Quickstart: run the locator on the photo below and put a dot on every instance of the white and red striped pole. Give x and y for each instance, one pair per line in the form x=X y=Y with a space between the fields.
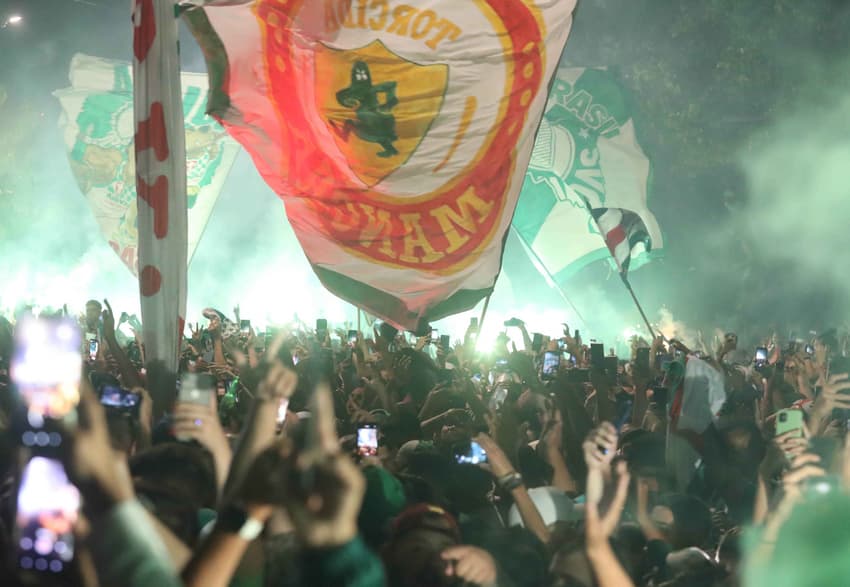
x=160 y=178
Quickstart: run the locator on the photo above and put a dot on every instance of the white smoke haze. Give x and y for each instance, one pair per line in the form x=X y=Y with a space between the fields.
x=798 y=214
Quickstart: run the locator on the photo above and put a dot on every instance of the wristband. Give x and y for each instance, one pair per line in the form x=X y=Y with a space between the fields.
x=234 y=519
x=510 y=481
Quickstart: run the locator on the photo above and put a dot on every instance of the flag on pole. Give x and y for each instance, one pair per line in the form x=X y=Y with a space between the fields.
x=160 y=178
x=97 y=123
x=625 y=235
x=397 y=134
x=586 y=156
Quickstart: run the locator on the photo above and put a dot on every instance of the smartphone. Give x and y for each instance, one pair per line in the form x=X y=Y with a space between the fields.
x=197 y=388
x=48 y=505
x=352 y=337
x=761 y=357
x=446 y=342
x=612 y=365
x=624 y=403
x=45 y=368
x=321 y=329
x=536 y=342
x=789 y=420
x=93 y=347
x=501 y=365
x=476 y=455
x=473 y=322
x=551 y=363
x=446 y=376
x=435 y=336
x=367 y=440
x=245 y=327
x=120 y=399
x=562 y=344
x=597 y=355
x=642 y=361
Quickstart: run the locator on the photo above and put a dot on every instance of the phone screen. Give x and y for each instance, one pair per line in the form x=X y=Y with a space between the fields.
x=551 y=362
x=761 y=355
x=321 y=326
x=93 y=349
x=245 y=326
x=435 y=336
x=47 y=508
x=476 y=455
x=197 y=388
x=46 y=366
x=367 y=440
x=473 y=322
x=116 y=397
x=352 y=337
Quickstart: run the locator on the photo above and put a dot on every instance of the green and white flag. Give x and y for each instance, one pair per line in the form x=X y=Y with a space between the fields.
x=586 y=155
x=98 y=129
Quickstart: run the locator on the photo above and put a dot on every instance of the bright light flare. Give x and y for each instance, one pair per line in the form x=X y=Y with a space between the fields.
x=13 y=20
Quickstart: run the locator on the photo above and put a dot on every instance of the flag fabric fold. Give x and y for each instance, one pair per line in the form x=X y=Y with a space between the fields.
x=624 y=233
x=586 y=157
x=397 y=134
x=97 y=123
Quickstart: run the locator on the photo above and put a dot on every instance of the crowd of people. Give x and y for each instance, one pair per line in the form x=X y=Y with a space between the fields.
x=318 y=457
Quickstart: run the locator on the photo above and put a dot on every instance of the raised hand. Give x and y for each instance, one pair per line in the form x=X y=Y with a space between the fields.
x=102 y=477
x=196 y=331
x=832 y=395
x=325 y=506
x=600 y=447
x=470 y=564
x=200 y=423
x=108 y=319
x=598 y=528
x=214 y=328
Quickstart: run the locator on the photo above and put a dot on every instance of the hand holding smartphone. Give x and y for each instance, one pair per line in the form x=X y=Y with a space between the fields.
x=45 y=368
x=48 y=506
x=367 y=440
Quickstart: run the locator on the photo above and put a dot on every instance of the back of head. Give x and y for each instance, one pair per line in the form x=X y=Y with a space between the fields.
x=412 y=557
x=691 y=520
x=521 y=555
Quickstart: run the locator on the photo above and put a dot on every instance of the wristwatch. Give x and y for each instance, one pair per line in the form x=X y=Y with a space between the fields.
x=235 y=519
x=510 y=481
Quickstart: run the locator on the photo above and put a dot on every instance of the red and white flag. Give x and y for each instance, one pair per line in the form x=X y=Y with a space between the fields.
x=160 y=178
x=625 y=234
x=396 y=133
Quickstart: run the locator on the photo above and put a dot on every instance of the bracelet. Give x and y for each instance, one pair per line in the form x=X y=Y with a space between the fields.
x=510 y=481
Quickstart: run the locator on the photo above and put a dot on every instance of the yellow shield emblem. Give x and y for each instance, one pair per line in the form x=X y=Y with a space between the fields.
x=377 y=105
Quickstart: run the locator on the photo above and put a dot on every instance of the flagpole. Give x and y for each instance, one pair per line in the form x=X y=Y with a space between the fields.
x=637 y=303
x=548 y=276
x=484 y=311
x=623 y=277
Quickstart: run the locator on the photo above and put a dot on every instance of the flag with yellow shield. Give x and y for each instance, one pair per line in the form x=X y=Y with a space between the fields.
x=397 y=133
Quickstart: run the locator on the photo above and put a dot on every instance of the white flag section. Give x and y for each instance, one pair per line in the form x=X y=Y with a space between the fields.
x=160 y=178
x=98 y=127
x=586 y=155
